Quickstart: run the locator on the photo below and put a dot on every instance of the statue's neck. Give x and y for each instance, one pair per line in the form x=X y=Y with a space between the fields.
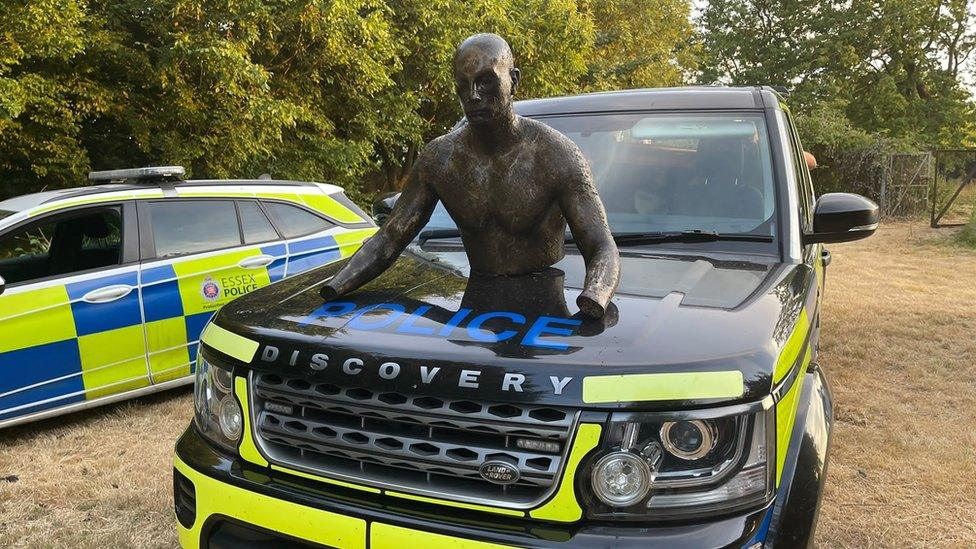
x=499 y=136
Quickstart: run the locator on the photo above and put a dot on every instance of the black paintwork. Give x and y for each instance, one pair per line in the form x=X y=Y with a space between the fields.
x=690 y=98
x=841 y=217
x=673 y=313
x=798 y=499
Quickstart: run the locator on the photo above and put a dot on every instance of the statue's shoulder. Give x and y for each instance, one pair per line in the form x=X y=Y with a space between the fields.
x=552 y=144
x=438 y=151
x=546 y=136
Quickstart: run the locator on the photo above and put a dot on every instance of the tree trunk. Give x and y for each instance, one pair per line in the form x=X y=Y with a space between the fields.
x=396 y=169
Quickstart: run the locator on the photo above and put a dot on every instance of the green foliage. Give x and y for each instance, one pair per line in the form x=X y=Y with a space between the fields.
x=349 y=90
x=551 y=39
x=859 y=71
x=241 y=88
x=43 y=102
x=967 y=236
x=327 y=90
x=640 y=44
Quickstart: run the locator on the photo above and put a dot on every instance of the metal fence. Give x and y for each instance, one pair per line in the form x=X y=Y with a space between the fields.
x=953 y=196
x=905 y=184
x=900 y=183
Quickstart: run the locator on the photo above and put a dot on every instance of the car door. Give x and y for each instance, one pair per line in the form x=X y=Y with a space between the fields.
x=312 y=240
x=814 y=255
x=198 y=255
x=70 y=322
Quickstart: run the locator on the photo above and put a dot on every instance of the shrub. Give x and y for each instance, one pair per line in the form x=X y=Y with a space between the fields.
x=968 y=234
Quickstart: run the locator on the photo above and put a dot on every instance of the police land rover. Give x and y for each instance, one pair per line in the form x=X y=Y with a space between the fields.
x=434 y=407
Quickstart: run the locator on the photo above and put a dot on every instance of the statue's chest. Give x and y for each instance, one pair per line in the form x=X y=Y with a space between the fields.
x=514 y=195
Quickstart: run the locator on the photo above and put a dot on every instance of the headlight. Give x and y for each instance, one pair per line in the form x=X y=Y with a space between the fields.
x=690 y=440
x=659 y=466
x=218 y=416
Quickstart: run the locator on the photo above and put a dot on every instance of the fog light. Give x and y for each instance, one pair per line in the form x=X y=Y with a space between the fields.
x=689 y=440
x=621 y=479
x=230 y=418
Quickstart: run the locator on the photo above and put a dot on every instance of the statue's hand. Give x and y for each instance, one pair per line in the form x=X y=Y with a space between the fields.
x=328 y=293
x=589 y=306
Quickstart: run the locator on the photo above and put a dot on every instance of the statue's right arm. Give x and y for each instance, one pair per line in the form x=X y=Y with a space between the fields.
x=410 y=213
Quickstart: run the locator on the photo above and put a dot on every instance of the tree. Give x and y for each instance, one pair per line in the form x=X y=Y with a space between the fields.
x=240 y=88
x=43 y=103
x=890 y=67
x=551 y=40
x=640 y=44
x=325 y=90
x=909 y=75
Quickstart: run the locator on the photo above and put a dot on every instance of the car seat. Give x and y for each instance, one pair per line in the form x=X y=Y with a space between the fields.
x=66 y=249
x=717 y=188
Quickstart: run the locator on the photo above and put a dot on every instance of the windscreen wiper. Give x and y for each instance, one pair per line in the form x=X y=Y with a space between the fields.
x=435 y=234
x=639 y=239
x=634 y=239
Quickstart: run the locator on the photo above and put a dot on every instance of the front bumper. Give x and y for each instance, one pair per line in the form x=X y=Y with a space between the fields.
x=281 y=509
x=226 y=502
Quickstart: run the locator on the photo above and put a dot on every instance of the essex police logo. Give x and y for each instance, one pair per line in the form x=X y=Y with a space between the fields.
x=210 y=289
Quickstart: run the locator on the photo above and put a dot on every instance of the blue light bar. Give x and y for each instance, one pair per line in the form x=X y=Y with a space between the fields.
x=153 y=173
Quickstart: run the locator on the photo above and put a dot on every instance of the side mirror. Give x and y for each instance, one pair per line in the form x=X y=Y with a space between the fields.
x=382 y=207
x=3 y=285
x=842 y=217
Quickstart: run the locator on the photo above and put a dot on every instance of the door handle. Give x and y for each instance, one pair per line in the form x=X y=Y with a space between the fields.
x=256 y=262
x=107 y=295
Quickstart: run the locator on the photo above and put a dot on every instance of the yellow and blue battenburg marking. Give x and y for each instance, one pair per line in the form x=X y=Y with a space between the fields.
x=316 y=251
x=57 y=349
x=39 y=345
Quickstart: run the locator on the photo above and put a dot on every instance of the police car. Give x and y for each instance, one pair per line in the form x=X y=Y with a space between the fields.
x=438 y=408
x=104 y=290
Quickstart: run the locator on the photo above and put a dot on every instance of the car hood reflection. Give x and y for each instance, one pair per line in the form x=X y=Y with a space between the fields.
x=671 y=313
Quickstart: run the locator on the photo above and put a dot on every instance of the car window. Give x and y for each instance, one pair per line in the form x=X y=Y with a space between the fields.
x=186 y=227
x=675 y=171
x=5 y=213
x=62 y=245
x=804 y=189
x=294 y=221
x=255 y=224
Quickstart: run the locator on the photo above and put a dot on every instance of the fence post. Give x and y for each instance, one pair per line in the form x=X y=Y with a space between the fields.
x=935 y=191
x=886 y=168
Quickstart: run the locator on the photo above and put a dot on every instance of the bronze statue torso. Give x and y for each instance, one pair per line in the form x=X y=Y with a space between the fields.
x=511 y=184
x=506 y=206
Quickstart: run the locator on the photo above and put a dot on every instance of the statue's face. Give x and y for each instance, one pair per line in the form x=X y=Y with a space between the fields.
x=485 y=80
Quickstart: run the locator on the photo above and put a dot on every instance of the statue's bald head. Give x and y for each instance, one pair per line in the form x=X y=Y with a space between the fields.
x=484 y=46
x=485 y=78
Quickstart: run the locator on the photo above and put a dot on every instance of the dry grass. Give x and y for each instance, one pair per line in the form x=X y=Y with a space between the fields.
x=898 y=344
x=94 y=479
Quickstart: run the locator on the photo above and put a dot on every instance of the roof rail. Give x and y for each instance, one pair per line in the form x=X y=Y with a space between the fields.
x=782 y=90
x=149 y=175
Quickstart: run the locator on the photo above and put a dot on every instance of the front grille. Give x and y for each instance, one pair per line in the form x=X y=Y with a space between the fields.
x=417 y=444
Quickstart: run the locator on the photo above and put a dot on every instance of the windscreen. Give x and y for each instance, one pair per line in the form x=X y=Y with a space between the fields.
x=674 y=172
